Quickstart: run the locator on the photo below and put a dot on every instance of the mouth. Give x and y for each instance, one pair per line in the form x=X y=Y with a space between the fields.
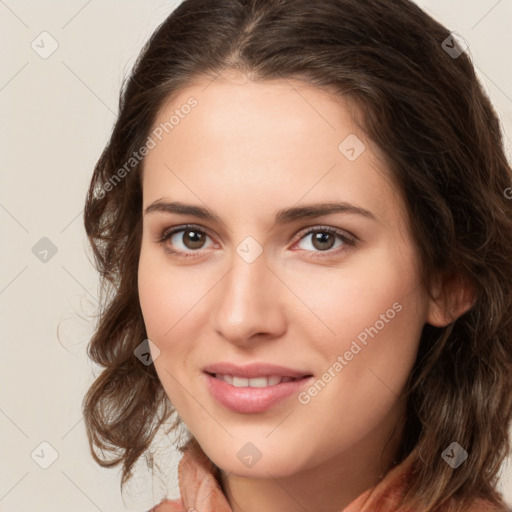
x=253 y=371
x=250 y=395
x=255 y=382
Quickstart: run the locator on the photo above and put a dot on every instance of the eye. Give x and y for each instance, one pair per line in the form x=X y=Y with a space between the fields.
x=323 y=239
x=187 y=239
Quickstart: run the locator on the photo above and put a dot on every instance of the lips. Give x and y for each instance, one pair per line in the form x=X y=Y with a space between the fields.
x=253 y=388
x=254 y=370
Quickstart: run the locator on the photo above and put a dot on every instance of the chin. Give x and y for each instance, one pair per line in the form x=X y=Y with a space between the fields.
x=256 y=459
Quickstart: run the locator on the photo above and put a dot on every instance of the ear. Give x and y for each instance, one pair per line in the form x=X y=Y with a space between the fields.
x=451 y=297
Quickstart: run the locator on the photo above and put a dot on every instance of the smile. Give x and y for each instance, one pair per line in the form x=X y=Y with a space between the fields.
x=253 y=395
x=257 y=382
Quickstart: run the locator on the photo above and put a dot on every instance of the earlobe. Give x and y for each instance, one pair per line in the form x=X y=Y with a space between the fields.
x=450 y=299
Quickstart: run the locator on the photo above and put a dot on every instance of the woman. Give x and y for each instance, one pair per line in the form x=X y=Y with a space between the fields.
x=302 y=225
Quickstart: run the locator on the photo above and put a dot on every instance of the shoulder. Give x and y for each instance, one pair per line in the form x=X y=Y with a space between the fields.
x=169 y=506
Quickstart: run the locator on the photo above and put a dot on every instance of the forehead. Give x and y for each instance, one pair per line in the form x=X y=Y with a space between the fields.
x=270 y=113
x=250 y=139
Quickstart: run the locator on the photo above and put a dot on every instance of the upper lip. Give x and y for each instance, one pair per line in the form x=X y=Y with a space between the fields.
x=254 y=370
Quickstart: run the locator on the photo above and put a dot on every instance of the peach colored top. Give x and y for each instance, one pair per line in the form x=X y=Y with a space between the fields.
x=200 y=490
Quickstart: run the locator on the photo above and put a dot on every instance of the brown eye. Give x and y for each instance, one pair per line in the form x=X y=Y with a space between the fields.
x=323 y=239
x=185 y=240
x=193 y=239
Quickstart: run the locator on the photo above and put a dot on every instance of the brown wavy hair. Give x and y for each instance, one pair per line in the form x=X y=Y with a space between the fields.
x=441 y=137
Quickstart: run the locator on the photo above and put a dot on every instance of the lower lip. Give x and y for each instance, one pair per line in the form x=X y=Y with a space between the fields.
x=249 y=400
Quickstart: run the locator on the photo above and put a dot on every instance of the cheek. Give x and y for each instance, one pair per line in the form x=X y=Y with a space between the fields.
x=154 y=301
x=377 y=318
x=349 y=299
x=165 y=294
x=173 y=305
x=162 y=305
x=375 y=314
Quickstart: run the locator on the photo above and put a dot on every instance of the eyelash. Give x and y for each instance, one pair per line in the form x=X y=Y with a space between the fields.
x=347 y=241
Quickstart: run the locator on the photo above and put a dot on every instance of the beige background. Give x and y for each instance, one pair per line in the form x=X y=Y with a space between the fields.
x=57 y=114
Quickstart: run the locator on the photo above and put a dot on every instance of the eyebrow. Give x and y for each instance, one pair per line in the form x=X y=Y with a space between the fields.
x=283 y=216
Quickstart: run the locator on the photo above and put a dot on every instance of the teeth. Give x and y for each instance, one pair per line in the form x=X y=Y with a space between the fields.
x=257 y=382
x=274 y=379
x=240 y=382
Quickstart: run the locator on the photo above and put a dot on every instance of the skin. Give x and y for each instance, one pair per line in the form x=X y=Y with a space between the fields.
x=245 y=151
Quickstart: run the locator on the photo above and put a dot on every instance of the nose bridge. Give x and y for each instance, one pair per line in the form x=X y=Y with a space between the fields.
x=248 y=298
x=246 y=283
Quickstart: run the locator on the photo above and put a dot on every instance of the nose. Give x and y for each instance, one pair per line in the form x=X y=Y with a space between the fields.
x=248 y=302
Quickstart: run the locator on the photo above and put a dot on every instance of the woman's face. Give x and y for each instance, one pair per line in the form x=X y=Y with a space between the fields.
x=273 y=278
